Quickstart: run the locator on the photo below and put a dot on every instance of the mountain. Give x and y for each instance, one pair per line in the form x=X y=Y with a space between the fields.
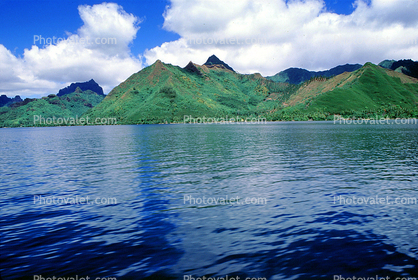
x=163 y=93
x=387 y=64
x=368 y=91
x=298 y=75
x=406 y=66
x=90 y=85
x=71 y=105
x=213 y=61
x=7 y=101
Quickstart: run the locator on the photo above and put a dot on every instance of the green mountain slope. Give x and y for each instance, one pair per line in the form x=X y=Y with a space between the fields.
x=68 y=106
x=165 y=93
x=368 y=91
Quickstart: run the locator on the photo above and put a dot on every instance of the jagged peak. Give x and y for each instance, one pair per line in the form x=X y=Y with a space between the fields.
x=213 y=60
x=258 y=76
x=369 y=64
x=158 y=64
x=191 y=67
x=213 y=57
x=83 y=86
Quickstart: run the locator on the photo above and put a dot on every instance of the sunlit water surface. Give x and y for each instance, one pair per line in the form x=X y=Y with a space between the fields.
x=300 y=168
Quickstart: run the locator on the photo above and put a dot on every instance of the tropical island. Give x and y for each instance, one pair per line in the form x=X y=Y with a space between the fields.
x=164 y=93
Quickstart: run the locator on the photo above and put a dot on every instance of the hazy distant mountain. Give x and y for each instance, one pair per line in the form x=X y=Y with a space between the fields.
x=90 y=85
x=213 y=61
x=7 y=101
x=406 y=66
x=299 y=75
x=387 y=63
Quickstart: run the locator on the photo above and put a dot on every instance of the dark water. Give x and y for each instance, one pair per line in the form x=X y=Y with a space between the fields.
x=299 y=233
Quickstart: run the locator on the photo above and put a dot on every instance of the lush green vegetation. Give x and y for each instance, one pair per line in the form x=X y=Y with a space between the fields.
x=368 y=92
x=163 y=93
x=67 y=106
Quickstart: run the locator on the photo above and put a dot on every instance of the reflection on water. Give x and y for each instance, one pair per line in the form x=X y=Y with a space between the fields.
x=299 y=168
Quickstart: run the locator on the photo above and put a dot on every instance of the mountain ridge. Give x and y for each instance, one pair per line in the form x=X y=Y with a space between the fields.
x=70 y=105
x=405 y=66
x=8 y=101
x=165 y=93
x=214 y=61
x=84 y=86
x=300 y=75
x=368 y=91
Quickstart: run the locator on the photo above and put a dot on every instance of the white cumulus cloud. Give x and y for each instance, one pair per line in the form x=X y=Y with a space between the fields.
x=99 y=50
x=270 y=36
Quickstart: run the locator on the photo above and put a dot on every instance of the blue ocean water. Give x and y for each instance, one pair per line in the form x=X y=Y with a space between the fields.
x=300 y=221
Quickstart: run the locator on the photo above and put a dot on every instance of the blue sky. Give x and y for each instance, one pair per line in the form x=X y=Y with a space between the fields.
x=22 y=19
x=265 y=36
x=52 y=18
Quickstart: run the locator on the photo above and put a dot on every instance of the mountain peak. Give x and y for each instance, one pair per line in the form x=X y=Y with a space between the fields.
x=213 y=60
x=191 y=67
x=89 y=85
x=6 y=101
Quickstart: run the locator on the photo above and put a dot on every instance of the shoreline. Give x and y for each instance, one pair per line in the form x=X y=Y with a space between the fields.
x=349 y=121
